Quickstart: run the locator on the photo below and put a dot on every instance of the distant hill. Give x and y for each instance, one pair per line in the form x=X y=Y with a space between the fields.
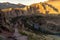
x=10 y=5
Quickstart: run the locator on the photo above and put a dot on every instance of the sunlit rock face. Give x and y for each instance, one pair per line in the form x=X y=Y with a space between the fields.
x=50 y=7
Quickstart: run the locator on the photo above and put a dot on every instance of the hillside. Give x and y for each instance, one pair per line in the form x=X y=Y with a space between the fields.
x=50 y=7
x=35 y=22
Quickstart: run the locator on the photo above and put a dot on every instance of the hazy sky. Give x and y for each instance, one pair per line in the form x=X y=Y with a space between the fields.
x=26 y=2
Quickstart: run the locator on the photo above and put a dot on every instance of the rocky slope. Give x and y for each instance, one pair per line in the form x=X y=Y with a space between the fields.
x=28 y=22
x=50 y=7
x=33 y=21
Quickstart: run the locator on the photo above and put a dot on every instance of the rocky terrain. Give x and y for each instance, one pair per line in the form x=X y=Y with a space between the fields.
x=32 y=22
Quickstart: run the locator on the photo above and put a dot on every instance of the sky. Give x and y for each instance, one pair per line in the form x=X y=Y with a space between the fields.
x=25 y=2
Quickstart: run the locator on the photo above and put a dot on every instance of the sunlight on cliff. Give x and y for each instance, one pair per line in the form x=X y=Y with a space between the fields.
x=52 y=6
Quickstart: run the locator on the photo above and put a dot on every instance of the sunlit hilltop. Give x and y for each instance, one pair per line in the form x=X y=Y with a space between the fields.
x=47 y=7
x=50 y=7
